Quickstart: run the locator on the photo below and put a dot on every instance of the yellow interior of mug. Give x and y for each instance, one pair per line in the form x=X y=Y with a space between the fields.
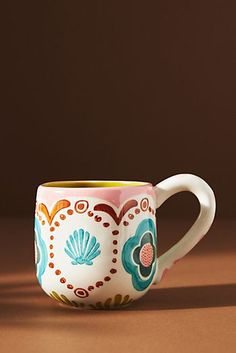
x=92 y=184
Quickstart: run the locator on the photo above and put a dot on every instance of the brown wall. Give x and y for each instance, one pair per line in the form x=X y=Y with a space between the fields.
x=117 y=89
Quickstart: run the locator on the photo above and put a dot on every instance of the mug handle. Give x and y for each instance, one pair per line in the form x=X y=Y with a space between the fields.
x=206 y=198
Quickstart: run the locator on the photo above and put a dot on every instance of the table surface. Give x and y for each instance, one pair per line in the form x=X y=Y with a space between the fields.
x=191 y=310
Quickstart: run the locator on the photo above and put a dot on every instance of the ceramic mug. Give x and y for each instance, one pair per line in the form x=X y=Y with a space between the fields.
x=96 y=241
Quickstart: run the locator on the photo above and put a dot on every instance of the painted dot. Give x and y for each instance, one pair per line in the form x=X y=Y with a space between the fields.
x=90 y=288
x=149 y=209
x=57 y=224
x=57 y=272
x=70 y=212
x=43 y=222
x=90 y=213
x=153 y=212
x=52 y=229
x=81 y=292
x=115 y=251
x=106 y=224
x=131 y=216
x=51 y=237
x=115 y=232
x=81 y=206
x=113 y=270
x=62 y=216
x=51 y=255
x=62 y=280
x=144 y=204
x=50 y=246
x=99 y=284
x=114 y=260
x=98 y=219
x=107 y=278
x=69 y=286
x=126 y=223
x=115 y=242
x=51 y=265
x=137 y=211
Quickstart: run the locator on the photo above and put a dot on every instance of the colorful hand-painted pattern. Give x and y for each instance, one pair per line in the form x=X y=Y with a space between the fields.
x=41 y=255
x=117 y=302
x=139 y=255
x=82 y=248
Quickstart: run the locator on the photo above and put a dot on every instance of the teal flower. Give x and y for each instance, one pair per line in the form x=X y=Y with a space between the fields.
x=139 y=255
x=41 y=255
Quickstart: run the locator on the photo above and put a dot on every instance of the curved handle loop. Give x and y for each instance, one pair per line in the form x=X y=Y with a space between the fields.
x=206 y=198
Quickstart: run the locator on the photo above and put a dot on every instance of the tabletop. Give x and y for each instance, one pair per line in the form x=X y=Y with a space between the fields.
x=191 y=310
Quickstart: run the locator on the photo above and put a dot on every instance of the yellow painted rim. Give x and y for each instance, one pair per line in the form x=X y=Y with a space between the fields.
x=93 y=184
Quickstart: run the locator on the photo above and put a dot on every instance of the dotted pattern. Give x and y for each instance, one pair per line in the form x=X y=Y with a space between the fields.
x=146 y=255
x=82 y=206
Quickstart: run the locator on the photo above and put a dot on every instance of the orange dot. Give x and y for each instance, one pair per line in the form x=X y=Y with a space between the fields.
x=62 y=216
x=57 y=272
x=51 y=255
x=52 y=229
x=69 y=286
x=57 y=224
x=70 y=212
x=62 y=280
x=43 y=222
x=50 y=246
x=51 y=264
x=51 y=237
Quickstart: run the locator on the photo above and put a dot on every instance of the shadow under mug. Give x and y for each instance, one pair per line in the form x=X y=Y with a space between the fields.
x=96 y=241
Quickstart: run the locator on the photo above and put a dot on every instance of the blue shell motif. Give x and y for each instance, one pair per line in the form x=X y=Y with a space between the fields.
x=82 y=248
x=41 y=252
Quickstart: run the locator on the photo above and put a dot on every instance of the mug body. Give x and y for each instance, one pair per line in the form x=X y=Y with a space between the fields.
x=95 y=242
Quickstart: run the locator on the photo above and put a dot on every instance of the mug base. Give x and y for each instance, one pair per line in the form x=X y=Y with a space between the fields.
x=97 y=306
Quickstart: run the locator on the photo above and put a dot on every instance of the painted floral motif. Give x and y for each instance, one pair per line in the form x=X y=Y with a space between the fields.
x=113 y=303
x=64 y=300
x=82 y=248
x=41 y=255
x=139 y=255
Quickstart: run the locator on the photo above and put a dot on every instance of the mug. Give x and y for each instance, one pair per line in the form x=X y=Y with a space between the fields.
x=96 y=241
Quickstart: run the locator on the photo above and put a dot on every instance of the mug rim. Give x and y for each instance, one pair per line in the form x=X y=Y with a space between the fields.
x=93 y=184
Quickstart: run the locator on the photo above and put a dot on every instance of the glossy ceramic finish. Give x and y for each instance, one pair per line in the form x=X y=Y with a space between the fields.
x=96 y=242
x=84 y=243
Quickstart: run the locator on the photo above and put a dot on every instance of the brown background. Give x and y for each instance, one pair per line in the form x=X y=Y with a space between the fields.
x=117 y=90
x=120 y=90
